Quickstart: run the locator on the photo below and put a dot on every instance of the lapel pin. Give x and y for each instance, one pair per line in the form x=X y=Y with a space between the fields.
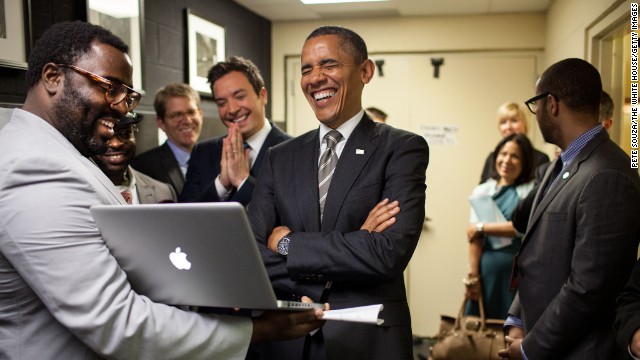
x=565 y=175
x=359 y=152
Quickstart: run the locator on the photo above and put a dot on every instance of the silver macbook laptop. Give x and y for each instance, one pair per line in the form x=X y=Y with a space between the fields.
x=190 y=254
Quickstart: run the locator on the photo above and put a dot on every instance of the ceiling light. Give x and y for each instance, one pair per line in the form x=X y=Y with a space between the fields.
x=316 y=2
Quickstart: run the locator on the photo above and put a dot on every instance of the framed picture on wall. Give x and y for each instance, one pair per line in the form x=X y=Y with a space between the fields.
x=205 y=47
x=15 y=33
x=124 y=19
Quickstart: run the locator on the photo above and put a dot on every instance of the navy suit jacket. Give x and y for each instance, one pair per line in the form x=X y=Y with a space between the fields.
x=160 y=164
x=579 y=249
x=204 y=167
x=378 y=161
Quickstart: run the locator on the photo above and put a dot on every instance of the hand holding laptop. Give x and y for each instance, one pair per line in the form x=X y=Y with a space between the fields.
x=282 y=325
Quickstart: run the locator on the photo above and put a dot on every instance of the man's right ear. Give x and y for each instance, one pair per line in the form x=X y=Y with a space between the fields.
x=53 y=78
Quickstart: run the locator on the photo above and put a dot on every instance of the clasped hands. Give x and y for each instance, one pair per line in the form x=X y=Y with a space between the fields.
x=379 y=219
x=234 y=161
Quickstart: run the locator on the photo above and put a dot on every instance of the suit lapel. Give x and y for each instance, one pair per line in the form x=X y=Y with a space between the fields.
x=270 y=141
x=172 y=167
x=145 y=189
x=540 y=205
x=306 y=181
x=357 y=151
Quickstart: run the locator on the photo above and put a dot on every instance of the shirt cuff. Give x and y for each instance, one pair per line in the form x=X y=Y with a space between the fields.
x=512 y=320
x=223 y=193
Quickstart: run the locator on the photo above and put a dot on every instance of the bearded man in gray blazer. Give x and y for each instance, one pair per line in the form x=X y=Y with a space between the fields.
x=582 y=238
x=318 y=245
x=62 y=294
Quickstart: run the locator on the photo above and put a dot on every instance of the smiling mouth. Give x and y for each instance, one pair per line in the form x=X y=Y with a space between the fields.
x=240 y=119
x=108 y=124
x=322 y=95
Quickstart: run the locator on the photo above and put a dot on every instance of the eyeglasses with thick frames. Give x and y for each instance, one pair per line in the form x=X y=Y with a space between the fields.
x=114 y=92
x=126 y=133
x=532 y=104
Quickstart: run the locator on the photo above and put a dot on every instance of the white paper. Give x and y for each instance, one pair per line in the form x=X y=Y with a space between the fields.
x=362 y=314
x=487 y=211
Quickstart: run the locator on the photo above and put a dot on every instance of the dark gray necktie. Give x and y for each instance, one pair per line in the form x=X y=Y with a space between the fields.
x=327 y=166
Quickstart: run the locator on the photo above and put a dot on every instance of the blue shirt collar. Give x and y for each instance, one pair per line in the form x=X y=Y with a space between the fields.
x=578 y=144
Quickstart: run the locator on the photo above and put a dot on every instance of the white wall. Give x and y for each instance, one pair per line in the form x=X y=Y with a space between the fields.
x=567 y=21
x=419 y=34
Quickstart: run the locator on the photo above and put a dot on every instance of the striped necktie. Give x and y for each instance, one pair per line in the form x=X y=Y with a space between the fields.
x=128 y=196
x=328 y=162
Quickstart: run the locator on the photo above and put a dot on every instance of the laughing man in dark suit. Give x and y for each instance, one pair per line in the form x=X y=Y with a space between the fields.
x=225 y=168
x=332 y=255
x=582 y=238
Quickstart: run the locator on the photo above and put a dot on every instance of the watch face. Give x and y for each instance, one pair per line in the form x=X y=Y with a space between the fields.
x=283 y=246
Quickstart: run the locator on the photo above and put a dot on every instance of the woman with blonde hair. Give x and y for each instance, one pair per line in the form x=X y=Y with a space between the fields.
x=512 y=119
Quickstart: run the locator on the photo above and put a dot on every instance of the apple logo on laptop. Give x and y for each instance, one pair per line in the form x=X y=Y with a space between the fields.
x=179 y=260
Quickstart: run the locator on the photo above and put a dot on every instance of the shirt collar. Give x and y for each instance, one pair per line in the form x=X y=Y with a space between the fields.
x=345 y=129
x=259 y=137
x=129 y=184
x=181 y=155
x=578 y=144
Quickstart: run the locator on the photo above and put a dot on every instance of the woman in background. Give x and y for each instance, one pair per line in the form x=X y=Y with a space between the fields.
x=493 y=241
x=512 y=119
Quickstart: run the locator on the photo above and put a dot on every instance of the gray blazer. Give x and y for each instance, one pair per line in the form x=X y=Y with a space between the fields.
x=152 y=191
x=378 y=161
x=577 y=254
x=62 y=294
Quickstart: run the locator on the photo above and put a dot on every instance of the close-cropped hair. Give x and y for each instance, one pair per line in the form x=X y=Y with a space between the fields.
x=513 y=108
x=526 y=160
x=170 y=91
x=606 y=106
x=236 y=63
x=64 y=43
x=574 y=82
x=353 y=44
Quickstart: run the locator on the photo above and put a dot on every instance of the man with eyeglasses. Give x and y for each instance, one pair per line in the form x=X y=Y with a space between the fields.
x=179 y=115
x=225 y=168
x=136 y=187
x=582 y=237
x=62 y=294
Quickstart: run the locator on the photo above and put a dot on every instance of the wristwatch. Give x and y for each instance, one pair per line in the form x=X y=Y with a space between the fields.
x=480 y=228
x=283 y=245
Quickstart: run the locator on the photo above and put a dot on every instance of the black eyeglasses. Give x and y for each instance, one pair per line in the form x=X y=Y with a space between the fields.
x=532 y=104
x=114 y=92
x=126 y=133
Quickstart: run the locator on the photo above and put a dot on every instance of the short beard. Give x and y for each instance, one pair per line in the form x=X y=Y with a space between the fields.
x=77 y=122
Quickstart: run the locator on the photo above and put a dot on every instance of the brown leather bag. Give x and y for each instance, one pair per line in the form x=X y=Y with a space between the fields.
x=468 y=337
